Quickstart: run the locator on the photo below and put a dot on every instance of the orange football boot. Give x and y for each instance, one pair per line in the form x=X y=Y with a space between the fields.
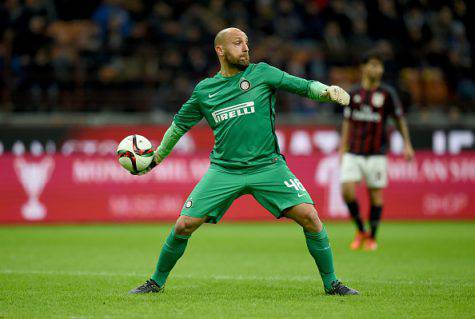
x=357 y=243
x=370 y=244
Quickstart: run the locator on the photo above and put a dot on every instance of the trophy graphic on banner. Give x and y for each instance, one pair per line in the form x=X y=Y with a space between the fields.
x=327 y=174
x=33 y=177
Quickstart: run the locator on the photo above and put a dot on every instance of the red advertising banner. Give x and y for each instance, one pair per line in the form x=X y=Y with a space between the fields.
x=294 y=140
x=81 y=188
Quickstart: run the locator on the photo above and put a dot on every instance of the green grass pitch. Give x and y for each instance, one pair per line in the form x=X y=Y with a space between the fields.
x=235 y=270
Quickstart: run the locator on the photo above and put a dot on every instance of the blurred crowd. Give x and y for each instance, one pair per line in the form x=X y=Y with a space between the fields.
x=131 y=55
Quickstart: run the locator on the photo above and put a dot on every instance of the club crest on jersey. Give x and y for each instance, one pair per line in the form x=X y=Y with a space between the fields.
x=245 y=85
x=233 y=111
x=378 y=99
x=357 y=98
x=188 y=203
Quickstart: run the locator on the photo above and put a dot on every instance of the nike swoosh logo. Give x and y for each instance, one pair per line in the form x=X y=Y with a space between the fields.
x=211 y=95
x=300 y=195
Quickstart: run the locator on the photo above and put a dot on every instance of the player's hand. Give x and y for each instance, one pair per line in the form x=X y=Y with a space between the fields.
x=337 y=94
x=145 y=171
x=408 y=152
x=156 y=160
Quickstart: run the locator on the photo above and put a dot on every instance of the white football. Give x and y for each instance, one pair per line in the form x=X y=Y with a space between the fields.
x=135 y=153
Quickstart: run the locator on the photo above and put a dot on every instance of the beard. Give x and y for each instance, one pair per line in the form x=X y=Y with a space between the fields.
x=241 y=62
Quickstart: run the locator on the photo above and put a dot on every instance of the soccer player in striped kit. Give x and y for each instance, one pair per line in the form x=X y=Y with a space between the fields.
x=364 y=144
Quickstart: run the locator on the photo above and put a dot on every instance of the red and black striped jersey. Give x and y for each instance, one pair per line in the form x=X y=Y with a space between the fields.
x=368 y=113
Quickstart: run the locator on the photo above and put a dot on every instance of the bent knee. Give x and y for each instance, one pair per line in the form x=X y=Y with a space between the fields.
x=183 y=226
x=187 y=225
x=310 y=221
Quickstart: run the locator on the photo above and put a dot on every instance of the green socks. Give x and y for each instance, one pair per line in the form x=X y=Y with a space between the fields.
x=172 y=250
x=319 y=247
x=317 y=243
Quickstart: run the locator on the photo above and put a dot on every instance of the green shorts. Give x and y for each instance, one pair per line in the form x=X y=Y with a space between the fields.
x=274 y=186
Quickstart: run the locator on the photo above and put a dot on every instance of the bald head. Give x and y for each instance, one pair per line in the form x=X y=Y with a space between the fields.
x=226 y=35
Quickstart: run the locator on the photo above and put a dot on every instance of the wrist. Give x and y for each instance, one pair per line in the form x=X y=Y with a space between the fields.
x=316 y=90
x=158 y=159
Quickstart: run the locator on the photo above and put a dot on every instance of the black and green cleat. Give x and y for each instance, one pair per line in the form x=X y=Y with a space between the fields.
x=150 y=286
x=340 y=289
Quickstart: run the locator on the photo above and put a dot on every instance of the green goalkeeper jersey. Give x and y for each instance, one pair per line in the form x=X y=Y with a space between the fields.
x=240 y=110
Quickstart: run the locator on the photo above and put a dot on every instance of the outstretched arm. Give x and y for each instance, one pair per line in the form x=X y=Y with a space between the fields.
x=312 y=89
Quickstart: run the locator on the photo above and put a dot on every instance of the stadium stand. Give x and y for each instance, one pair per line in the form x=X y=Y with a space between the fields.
x=143 y=56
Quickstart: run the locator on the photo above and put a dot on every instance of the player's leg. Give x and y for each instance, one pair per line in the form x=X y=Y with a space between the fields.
x=280 y=192
x=375 y=212
x=348 y=190
x=318 y=245
x=172 y=250
x=350 y=175
x=208 y=202
x=376 y=179
x=316 y=238
x=175 y=246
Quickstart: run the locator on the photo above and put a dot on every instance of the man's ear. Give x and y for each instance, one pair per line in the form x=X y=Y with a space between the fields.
x=219 y=50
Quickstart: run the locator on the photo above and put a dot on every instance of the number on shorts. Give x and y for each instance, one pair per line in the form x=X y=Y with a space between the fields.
x=295 y=183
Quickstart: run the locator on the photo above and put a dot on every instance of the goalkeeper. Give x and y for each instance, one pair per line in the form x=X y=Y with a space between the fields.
x=239 y=105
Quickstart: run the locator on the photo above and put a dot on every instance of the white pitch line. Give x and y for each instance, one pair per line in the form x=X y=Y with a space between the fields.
x=315 y=278
x=68 y=273
x=133 y=274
